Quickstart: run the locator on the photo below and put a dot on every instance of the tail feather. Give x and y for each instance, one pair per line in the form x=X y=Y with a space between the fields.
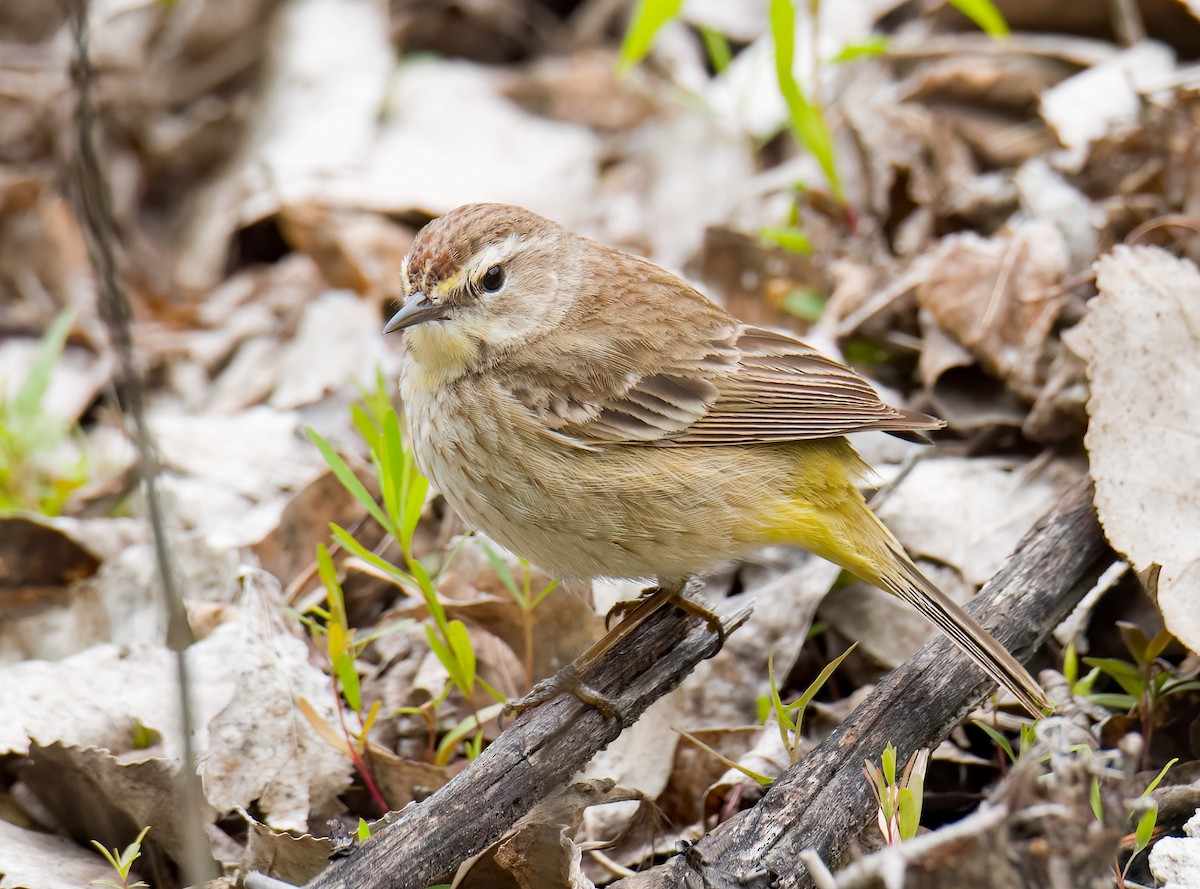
x=943 y=612
x=829 y=517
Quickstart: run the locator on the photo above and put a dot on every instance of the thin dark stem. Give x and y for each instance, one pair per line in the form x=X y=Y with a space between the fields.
x=94 y=201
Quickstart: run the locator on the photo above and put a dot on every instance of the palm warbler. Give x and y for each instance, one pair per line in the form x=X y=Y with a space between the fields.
x=595 y=414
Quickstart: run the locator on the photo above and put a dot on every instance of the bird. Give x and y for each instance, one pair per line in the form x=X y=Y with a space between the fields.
x=600 y=417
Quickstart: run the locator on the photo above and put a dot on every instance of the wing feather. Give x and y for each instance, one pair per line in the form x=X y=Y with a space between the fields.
x=734 y=384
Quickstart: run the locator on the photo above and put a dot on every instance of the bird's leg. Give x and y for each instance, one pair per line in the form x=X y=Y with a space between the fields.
x=570 y=678
x=634 y=612
x=677 y=598
x=625 y=607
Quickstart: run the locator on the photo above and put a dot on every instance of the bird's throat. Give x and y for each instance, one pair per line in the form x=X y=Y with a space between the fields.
x=441 y=352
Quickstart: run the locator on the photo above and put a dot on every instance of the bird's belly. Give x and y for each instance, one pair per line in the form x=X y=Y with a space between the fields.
x=620 y=511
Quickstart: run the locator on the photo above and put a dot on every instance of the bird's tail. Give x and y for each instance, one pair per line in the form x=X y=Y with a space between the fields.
x=828 y=516
x=981 y=646
x=898 y=575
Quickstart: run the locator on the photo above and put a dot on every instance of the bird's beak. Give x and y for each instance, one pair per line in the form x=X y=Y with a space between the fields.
x=417 y=309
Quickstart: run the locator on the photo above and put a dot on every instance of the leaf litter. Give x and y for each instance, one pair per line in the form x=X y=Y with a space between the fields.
x=270 y=164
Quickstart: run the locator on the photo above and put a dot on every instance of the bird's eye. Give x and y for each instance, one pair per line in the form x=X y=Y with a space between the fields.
x=493 y=279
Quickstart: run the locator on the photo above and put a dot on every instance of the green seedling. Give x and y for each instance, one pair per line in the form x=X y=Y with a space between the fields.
x=900 y=801
x=1145 y=810
x=122 y=863
x=789 y=717
x=403 y=493
x=28 y=434
x=1145 y=681
x=527 y=600
x=1028 y=735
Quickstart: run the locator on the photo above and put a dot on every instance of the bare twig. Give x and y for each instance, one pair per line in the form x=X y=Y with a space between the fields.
x=197 y=864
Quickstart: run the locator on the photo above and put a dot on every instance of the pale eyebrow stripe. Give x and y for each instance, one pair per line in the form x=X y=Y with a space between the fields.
x=494 y=254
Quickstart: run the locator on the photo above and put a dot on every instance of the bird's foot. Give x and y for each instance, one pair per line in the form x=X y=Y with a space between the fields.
x=568 y=680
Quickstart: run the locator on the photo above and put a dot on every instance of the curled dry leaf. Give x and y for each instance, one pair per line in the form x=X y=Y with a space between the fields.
x=34 y=858
x=534 y=856
x=94 y=795
x=1104 y=100
x=258 y=748
x=996 y=297
x=294 y=859
x=1140 y=338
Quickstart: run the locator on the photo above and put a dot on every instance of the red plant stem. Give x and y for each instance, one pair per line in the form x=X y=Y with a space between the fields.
x=359 y=766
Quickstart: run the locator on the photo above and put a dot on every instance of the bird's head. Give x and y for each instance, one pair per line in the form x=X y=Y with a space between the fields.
x=480 y=283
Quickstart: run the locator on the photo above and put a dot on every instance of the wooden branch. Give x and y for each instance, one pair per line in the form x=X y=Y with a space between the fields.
x=532 y=758
x=823 y=802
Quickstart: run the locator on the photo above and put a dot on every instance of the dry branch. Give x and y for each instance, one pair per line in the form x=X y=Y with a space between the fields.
x=823 y=802
x=530 y=760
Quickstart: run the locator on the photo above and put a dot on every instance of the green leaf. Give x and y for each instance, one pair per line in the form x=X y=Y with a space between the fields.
x=1158 y=645
x=397 y=574
x=648 y=19
x=348 y=479
x=910 y=814
x=390 y=467
x=822 y=677
x=1028 y=735
x=364 y=830
x=429 y=594
x=984 y=14
x=333 y=589
x=888 y=761
x=807 y=120
x=1114 y=701
x=28 y=400
x=1070 y=669
x=1135 y=642
x=782 y=718
x=415 y=492
x=466 y=727
x=1094 y=799
x=546 y=590
x=464 y=653
x=111 y=857
x=1125 y=674
x=446 y=657
x=790 y=237
x=347 y=675
x=762 y=707
x=998 y=737
x=1145 y=827
x=1175 y=685
x=1162 y=774
x=726 y=761
x=874 y=46
x=502 y=572
x=717 y=47
x=807 y=305
x=366 y=428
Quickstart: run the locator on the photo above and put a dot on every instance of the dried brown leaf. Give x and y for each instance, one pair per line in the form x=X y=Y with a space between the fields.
x=1140 y=337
